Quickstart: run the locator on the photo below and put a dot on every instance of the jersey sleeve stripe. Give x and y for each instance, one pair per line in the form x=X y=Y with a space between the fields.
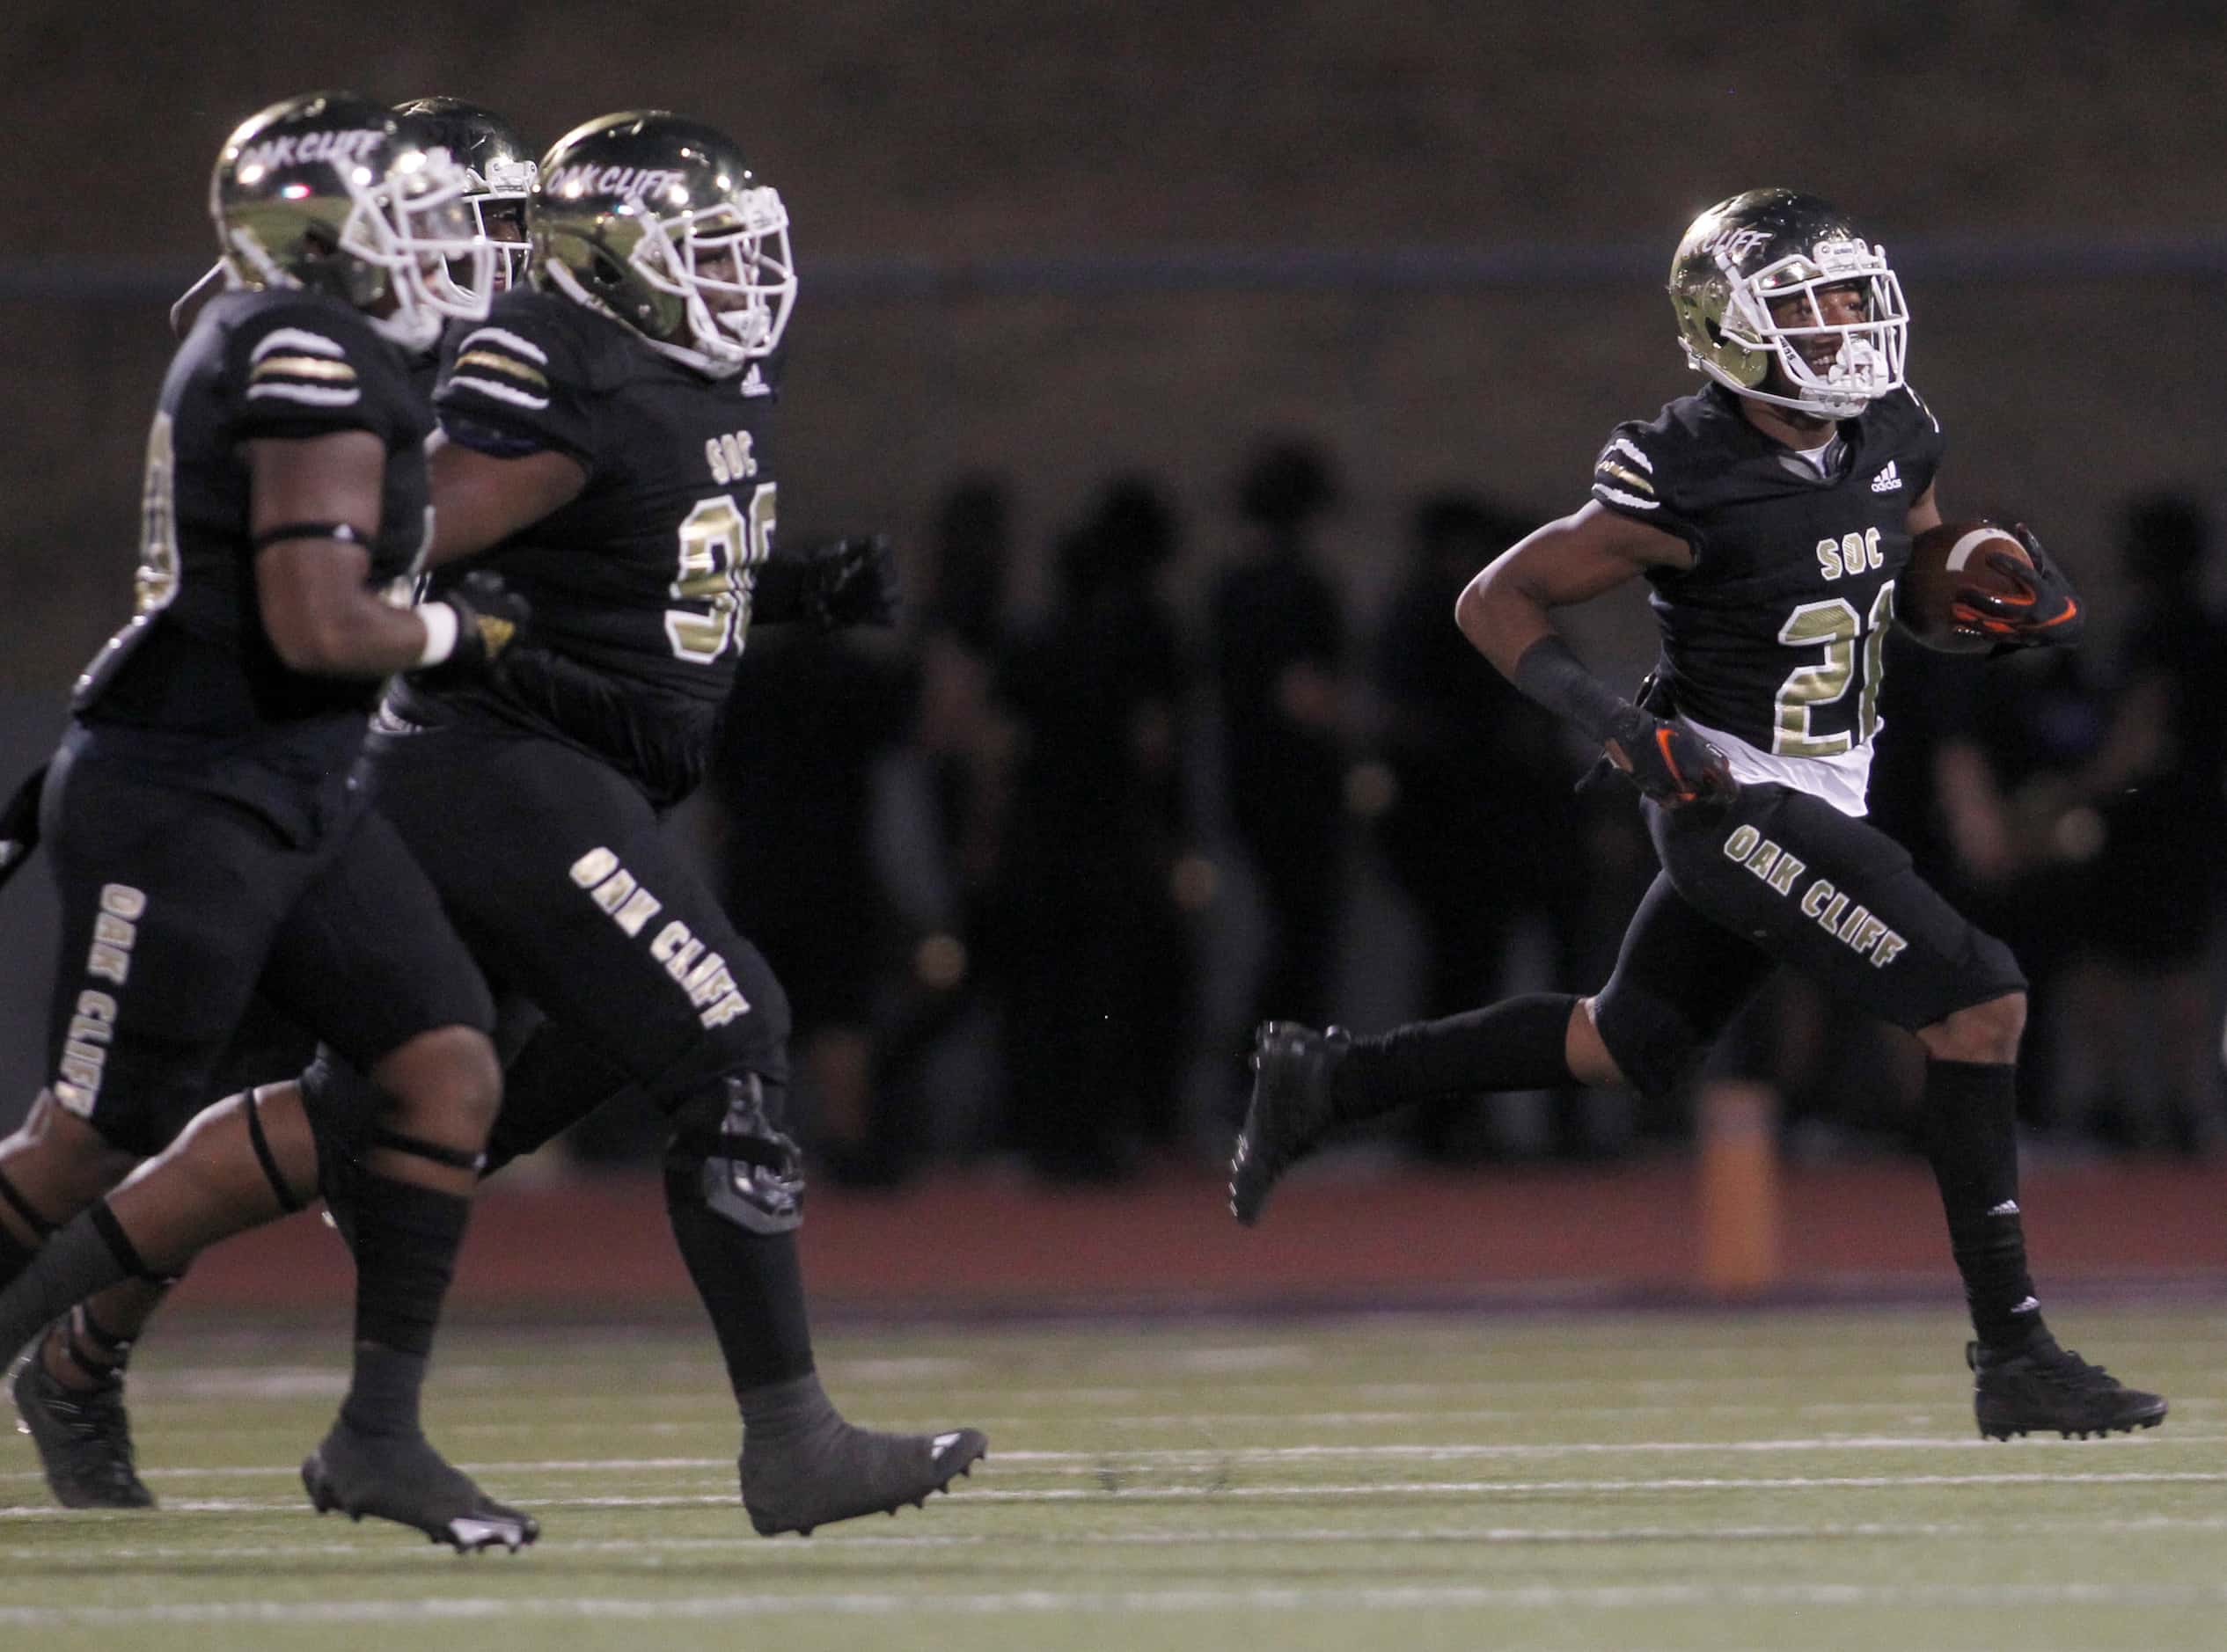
x=309 y=395
x=516 y=397
x=1608 y=495
x=504 y=364
x=506 y=339
x=295 y=339
x=1609 y=471
x=301 y=367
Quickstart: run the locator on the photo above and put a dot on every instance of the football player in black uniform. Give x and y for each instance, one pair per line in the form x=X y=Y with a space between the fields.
x=1770 y=513
x=69 y=1396
x=203 y=833
x=609 y=446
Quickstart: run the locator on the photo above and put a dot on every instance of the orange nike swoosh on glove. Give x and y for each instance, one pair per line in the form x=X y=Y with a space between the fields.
x=1662 y=744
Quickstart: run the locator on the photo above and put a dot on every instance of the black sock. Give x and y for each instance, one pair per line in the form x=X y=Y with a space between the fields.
x=1517 y=1044
x=793 y=1405
x=1971 y=1139
x=87 y=1254
x=407 y=1239
x=383 y=1391
x=752 y=1284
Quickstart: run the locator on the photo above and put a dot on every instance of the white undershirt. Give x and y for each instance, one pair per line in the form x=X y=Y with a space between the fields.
x=1820 y=458
x=1840 y=780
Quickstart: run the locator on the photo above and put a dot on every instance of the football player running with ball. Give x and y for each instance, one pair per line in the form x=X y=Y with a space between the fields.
x=609 y=449
x=1770 y=513
x=204 y=837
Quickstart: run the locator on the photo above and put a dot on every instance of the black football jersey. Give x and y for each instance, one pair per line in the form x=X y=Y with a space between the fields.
x=641 y=585
x=1778 y=632
x=195 y=657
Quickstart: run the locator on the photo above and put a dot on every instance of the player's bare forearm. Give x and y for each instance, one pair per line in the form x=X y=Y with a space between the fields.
x=322 y=618
x=313 y=515
x=1507 y=613
x=1501 y=618
x=1508 y=607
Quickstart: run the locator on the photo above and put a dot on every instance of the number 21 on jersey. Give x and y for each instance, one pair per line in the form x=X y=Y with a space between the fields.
x=1834 y=626
x=720 y=542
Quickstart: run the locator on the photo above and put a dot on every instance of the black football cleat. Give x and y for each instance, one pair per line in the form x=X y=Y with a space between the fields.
x=84 y=1439
x=1290 y=1112
x=401 y=1478
x=835 y=1472
x=2043 y=1387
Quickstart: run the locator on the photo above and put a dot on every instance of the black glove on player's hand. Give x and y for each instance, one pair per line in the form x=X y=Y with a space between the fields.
x=490 y=619
x=851 y=581
x=1670 y=763
x=2042 y=612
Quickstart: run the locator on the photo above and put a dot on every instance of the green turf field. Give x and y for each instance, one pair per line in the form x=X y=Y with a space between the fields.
x=1723 y=1482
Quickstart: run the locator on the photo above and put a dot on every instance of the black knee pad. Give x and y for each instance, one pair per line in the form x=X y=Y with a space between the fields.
x=341 y=1104
x=728 y=1150
x=1993 y=970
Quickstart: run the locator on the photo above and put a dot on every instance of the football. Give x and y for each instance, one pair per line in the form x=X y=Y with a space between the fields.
x=1943 y=560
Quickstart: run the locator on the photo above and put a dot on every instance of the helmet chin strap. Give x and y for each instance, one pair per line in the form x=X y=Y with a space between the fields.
x=250 y=252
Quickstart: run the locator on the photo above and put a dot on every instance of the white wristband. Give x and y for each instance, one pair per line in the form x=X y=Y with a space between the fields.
x=440 y=622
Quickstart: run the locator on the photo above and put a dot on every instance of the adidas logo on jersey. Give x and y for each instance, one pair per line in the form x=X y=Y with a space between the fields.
x=1888 y=480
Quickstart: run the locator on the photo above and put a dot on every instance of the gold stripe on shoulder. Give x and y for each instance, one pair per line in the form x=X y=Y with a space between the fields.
x=302 y=367
x=509 y=364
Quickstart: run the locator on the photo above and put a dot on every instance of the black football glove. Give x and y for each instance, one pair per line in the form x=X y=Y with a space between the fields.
x=490 y=619
x=2042 y=612
x=1671 y=763
x=851 y=581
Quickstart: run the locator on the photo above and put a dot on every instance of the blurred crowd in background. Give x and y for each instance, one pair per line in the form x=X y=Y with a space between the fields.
x=1030 y=883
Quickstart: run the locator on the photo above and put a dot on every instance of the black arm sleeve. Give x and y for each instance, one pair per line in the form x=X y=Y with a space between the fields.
x=1554 y=676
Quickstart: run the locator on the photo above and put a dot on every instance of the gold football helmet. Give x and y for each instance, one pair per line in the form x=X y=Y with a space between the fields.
x=1745 y=286
x=657 y=220
x=327 y=191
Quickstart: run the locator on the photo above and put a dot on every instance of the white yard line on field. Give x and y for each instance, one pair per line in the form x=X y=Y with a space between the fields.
x=1527 y=1597
x=1190 y=1494
x=1093 y=1462
x=746 y=1543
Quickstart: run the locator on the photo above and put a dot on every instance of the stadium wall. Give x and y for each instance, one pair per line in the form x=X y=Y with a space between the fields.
x=1116 y=137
